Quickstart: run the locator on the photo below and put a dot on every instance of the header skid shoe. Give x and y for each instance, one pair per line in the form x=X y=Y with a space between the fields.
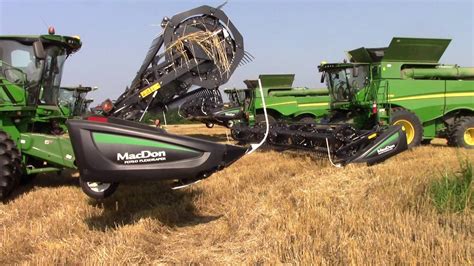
x=122 y=151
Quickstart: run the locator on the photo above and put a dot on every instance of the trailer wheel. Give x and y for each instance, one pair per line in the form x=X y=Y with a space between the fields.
x=98 y=190
x=462 y=133
x=209 y=125
x=229 y=124
x=410 y=124
x=10 y=166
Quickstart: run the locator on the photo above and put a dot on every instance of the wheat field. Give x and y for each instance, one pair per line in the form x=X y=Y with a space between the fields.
x=269 y=207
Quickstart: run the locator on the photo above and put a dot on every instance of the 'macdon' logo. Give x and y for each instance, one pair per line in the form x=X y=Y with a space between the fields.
x=141 y=157
x=386 y=149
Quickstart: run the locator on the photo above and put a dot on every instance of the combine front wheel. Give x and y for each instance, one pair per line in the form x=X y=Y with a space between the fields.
x=462 y=133
x=10 y=166
x=410 y=124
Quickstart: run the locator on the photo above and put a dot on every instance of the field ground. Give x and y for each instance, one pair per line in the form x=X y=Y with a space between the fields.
x=267 y=208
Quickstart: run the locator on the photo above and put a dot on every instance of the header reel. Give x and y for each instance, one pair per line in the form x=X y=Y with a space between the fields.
x=200 y=47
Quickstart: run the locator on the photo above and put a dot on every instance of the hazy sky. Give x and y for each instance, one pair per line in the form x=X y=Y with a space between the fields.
x=284 y=36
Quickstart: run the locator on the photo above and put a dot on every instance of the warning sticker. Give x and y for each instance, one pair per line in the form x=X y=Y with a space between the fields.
x=144 y=93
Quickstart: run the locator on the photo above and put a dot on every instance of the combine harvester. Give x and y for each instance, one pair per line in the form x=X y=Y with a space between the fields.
x=404 y=84
x=283 y=103
x=200 y=47
x=400 y=85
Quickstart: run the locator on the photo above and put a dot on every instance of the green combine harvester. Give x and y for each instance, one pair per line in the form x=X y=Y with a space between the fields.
x=404 y=84
x=284 y=102
x=73 y=100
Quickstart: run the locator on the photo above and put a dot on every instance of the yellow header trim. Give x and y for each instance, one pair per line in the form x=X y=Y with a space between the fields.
x=144 y=93
x=434 y=96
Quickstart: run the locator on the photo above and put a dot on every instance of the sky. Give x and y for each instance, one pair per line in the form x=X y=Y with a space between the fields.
x=283 y=36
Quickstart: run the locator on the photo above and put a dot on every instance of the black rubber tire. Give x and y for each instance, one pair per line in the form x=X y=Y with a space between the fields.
x=260 y=119
x=98 y=194
x=229 y=124
x=307 y=120
x=10 y=166
x=209 y=125
x=456 y=136
x=399 y=114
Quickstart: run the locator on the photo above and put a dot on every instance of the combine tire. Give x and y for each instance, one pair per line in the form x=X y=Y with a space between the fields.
x=10 y=166
x=260 y=119
x=410 y=124
x=307 y=120
x=98 y=190
x=209 y=125
x=462 y=133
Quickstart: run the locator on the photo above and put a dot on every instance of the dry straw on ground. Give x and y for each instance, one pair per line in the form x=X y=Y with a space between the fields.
x=268 y=207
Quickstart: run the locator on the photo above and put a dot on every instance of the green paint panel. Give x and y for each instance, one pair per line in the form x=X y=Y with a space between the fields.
x=416 y=50
x=117 y=139
x=392 y=139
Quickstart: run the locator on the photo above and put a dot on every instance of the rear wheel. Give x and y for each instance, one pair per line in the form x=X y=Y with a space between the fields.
x=98 y=190
x=462 y=133
x=411 y=125
x=10 y=166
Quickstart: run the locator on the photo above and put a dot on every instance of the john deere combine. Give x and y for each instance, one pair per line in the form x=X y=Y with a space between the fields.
x=285 y=102
x=73 y=101
x=403 y=84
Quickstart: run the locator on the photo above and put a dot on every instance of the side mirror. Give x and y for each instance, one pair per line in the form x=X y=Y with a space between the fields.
x=355 y=71
x=323 y=77
x=39 y=50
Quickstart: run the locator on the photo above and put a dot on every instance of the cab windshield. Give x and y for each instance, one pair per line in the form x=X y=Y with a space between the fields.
x=74 y=100
x=56 y=56
x=19 y=64
x=344 y=83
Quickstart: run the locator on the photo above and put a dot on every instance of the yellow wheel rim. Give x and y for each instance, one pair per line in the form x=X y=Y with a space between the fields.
x=469 y=136
x=408 y=128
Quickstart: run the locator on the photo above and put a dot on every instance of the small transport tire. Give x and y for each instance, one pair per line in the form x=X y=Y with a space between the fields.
x=230 y=124
x=209 y=125
x=462 y=133
x=410 y=124
x=98 y=190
